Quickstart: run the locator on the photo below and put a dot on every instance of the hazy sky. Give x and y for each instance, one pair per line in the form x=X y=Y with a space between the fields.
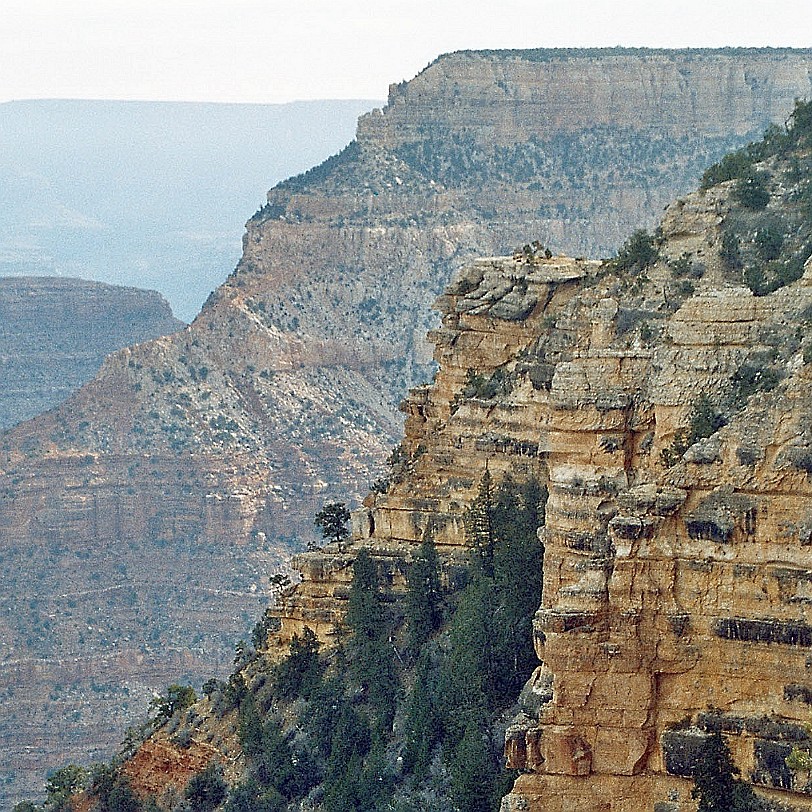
x=268 y=51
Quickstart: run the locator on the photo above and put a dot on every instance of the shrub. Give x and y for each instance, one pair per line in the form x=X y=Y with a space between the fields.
x=212 y=686
x=730 y=251
x=122 y=798
x=705 y=420
x=499 y=382
x=774 y=275
x=207 y=789
x=755 y=279
x=66 y=781
x=637 y=253
x=751 y=190
x=750 y=379
x=681 y=267
x=733 y=165
x=178 y=697
x=770 y=240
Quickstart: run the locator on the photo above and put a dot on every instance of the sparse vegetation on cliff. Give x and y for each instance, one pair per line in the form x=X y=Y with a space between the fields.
x=409 y=711
x=767 y=234
x=636 y=254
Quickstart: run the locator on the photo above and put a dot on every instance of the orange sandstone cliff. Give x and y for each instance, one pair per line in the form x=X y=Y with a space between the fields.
x=676 y=566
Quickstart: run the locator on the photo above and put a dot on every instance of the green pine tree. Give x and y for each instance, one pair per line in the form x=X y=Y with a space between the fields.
x=300 y=672
x=715 y=785
x=422 y=724
x=518 y=513
x=423 y=595
x=474 y=770
x=467 y=668
x=478 y=521
x=372 y=661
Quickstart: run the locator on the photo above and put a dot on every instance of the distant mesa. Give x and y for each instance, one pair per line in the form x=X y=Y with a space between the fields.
x=56 y=332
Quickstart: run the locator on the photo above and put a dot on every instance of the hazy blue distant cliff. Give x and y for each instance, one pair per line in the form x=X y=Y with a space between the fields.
x=149 y=194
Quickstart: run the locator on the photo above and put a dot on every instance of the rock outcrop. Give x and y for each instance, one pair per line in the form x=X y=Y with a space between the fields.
x=669 y=422
x=56 y=333
x=209 y=451
x=675 y=599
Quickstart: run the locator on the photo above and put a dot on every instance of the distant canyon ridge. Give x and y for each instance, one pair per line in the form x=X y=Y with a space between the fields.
x=139 y=522
x=149 y=194
x=56 y=332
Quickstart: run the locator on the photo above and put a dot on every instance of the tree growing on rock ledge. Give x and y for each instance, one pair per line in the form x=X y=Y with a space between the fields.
x=332 y=520
x=636 y=254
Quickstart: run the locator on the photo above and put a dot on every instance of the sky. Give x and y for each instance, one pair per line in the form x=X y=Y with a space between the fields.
x=268 y=51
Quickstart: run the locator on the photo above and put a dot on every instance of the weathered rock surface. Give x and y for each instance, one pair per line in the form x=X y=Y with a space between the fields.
x=206 y=450
x=55 y=333
x=676 y=587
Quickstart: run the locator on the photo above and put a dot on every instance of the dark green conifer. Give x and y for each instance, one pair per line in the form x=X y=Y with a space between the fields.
x=423 y=593
x=473 y=769
x=422 y=724
x=479 y=533
x=715 y=785
x=372 y=652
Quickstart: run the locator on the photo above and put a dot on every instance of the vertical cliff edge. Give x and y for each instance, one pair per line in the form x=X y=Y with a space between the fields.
x=669 y=423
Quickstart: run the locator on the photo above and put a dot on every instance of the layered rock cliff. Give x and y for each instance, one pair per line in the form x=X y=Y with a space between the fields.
x=203 y=451
x=670 y=425
x=669 y=428
x=56 y=332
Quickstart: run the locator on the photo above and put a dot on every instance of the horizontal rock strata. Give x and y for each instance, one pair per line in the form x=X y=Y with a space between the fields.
x=216 y=446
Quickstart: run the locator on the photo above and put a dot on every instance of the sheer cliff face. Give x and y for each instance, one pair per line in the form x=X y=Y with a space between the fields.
x=676 y=573
x=200 y=458
x=676 y=568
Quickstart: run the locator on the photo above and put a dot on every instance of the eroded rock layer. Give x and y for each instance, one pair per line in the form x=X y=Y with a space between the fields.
x=55 y=333
x=676 y=576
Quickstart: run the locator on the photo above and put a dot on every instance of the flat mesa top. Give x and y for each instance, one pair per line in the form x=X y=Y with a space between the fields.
x=551 y=54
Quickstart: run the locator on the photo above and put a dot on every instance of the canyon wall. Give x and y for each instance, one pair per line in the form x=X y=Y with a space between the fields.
x=166 y=490
x=676 y=590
